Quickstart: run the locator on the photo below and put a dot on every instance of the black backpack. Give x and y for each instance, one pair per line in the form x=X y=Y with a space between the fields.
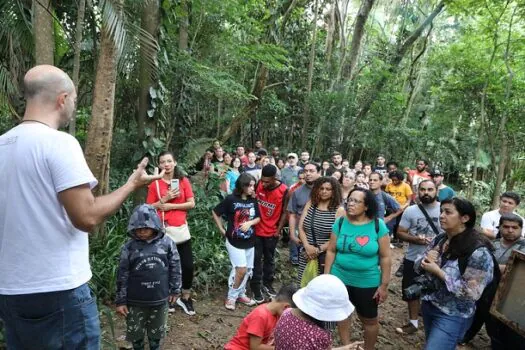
x=490 y=289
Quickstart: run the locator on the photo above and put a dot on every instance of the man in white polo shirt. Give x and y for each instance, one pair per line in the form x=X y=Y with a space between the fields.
x=46 y=210
x=508 y=202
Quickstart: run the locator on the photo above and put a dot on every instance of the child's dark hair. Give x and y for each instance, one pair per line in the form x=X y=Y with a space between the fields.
x=285 y=294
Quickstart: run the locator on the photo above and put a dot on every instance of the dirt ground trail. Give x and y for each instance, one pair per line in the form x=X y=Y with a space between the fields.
x=213 y=325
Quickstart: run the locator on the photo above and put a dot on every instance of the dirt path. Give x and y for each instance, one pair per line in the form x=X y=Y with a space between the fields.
x=213 y=325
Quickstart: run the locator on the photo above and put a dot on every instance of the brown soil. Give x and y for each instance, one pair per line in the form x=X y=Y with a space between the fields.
x=213 y=325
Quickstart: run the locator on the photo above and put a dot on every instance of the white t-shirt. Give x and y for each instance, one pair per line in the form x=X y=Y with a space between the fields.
x=40 y=250
x=490 y=220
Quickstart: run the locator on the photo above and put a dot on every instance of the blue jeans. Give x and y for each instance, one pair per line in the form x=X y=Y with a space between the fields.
x=56 y=320
x=442 y=332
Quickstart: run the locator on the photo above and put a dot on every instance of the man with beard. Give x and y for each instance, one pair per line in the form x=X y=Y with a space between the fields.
x=444 y=192
x=46 y=211
x=418 y=230
x=380 y=165
x=419 y=174
x=337 y=163
x=296 y=205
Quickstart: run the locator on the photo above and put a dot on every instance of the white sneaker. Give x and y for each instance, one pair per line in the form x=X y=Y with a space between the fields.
x=230 y=304
x=243 y=299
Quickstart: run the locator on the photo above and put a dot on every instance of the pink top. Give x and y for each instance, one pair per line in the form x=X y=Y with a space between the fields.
x=294 y=333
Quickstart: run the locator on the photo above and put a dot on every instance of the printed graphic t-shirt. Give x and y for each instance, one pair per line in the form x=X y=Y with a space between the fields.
x=237 y=211
x=260 y=323
x=357 y=259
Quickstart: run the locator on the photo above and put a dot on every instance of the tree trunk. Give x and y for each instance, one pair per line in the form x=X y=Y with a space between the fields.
x=251 y=107
x=394 y=62
x=44 y=32
x=330 y=33
x=357 y=36
x=184 y=24
x=76 y=58
x=470 y=191
x=100 y=132
x=503 y=123
x=150 y=22
x=306 y=109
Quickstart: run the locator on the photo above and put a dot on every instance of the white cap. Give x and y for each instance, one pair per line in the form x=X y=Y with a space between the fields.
x=325 y=298
x=294 y=155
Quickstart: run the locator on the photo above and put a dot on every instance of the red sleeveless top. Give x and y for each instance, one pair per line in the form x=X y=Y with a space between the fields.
x=271 y=206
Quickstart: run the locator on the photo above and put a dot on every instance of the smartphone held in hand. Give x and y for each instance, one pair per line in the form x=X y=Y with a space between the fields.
x=174 y=185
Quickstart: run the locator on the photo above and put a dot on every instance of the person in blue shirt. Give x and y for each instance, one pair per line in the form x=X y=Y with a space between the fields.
x=387 y=207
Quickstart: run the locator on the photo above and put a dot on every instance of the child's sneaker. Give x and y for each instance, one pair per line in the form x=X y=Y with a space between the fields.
x=243 y=299
x=171 y=308
x=230 y=304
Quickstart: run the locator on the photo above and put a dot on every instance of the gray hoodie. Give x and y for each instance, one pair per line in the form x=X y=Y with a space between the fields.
x=149 y=271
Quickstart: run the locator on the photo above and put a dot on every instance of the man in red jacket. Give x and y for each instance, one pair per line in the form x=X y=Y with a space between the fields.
x=272 y=198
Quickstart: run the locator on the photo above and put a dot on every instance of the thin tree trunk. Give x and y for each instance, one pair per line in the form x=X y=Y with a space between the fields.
x=183 y=27
x=503 y=123
x=394 y=62
x=306 y=109
x=100 y=132
x=330 y=32
x=150 y=22
x=251 y=107
x=357 y=36
x=470 y=192
x=44 y=32
x=76 y=58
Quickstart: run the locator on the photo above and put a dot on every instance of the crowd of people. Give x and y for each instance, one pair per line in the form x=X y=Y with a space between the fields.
x=345 y=218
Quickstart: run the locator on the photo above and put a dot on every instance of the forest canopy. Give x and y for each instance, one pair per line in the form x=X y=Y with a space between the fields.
x=442 y=80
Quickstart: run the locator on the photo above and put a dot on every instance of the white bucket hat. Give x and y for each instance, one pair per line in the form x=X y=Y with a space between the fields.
x=325 y=298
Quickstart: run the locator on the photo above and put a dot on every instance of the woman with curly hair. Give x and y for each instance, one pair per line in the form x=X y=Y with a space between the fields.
x=315 y=225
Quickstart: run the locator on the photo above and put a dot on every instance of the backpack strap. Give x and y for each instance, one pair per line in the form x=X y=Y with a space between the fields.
x=429 y=220
x=376 y=224
x=314 y=210
x=340 y=223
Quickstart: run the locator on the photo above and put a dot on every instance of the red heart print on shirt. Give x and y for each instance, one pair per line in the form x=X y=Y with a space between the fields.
x=362 y=240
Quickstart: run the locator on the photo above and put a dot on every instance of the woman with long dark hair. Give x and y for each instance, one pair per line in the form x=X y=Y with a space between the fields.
x=172 y=196
x=458 y=266
x=242 y=213
x=233 y=174
x=317 y=219
x=359 y=254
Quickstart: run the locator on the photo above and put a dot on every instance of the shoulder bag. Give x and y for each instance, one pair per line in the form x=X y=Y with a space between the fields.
x=179 y=234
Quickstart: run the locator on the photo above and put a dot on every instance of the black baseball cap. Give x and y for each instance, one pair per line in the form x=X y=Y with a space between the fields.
x=437 y=172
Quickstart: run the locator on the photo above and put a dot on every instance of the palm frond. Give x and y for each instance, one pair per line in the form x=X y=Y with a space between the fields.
x=195 y=148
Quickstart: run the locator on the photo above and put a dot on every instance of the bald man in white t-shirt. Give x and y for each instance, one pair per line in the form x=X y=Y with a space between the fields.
x=46 y=210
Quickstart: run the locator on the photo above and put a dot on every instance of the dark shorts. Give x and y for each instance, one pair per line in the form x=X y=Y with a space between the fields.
x=408 y=277
x=363 y=301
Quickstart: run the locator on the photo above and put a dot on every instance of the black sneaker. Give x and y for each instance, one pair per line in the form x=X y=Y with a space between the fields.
x=257 y=296
x=399 y=272
x=268 y=289
x=186 y=305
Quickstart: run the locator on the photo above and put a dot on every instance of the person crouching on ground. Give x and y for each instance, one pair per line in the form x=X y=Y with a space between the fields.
x=241 y=211
x=324 y=299
x=149 y=276
x=256 y=329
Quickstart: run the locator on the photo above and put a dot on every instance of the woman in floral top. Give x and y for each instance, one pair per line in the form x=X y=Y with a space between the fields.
x=449 y=309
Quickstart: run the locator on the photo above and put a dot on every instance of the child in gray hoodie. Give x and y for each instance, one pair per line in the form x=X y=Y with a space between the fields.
x=148 y=277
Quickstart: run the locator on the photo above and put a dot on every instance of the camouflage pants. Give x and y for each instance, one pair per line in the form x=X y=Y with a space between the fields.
x=146 y=319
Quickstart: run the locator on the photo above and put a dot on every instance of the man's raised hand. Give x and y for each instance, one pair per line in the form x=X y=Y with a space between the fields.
x=141 y=178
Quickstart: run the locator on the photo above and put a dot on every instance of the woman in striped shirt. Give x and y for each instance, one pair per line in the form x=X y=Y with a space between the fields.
x=315 y=225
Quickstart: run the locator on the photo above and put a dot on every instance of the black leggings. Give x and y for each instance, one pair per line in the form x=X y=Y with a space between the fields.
x=186 y=264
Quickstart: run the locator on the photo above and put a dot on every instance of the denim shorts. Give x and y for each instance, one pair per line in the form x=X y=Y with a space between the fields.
x=55 y=320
